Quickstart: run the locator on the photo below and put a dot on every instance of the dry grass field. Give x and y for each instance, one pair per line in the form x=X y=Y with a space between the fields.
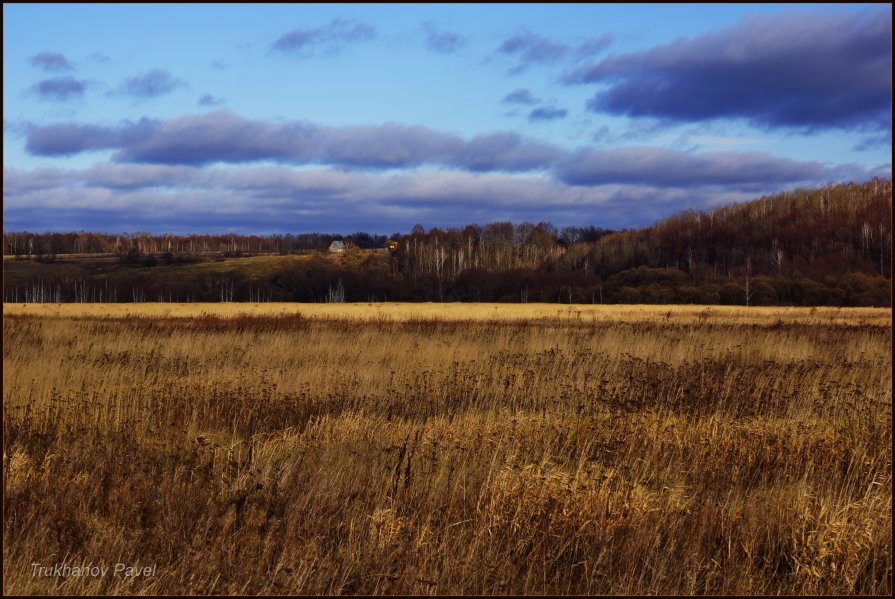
x=446 y=449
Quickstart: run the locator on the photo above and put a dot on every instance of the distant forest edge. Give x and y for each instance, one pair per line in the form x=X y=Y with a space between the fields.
x=824 y=246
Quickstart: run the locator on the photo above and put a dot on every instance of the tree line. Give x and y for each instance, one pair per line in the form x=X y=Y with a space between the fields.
x=823 y=246
x=47 y=246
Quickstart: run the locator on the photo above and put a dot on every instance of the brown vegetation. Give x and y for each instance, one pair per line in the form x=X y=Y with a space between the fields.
x=665 y=450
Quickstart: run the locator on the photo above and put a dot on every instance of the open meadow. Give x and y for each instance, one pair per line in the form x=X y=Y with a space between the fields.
x=448 y=448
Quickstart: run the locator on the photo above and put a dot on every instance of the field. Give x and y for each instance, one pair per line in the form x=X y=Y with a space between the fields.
x=448 y=448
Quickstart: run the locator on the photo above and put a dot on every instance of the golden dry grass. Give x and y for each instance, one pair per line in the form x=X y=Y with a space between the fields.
x=466 y=311
x=438 y=449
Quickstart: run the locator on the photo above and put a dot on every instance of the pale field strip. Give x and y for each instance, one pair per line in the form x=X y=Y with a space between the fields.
x=462 y=312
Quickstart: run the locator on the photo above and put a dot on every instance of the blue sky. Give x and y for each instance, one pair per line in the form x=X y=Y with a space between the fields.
x=338 y=118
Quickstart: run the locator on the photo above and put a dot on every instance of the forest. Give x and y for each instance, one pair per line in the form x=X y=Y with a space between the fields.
x=823 y=246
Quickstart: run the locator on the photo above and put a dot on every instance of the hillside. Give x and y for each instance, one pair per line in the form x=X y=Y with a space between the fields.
x=826 y=246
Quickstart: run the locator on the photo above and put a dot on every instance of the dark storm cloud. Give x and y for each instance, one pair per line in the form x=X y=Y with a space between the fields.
x=329 y=39
x=222 y=136
x=151 y=84
x=209 y=100
x=520 y=96
x=547 y=113
x=443 y=41
x=50 y=61
x=60 y=89
x=669 y=168
x=804 y=70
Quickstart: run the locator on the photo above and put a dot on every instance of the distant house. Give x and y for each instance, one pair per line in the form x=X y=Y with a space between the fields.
x=337 y=247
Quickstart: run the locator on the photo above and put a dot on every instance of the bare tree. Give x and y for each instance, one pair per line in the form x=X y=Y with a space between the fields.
x=227 y=290
x=777 y=256
x=866 y=237
x=747 y=283
x=885 y=244
x=337 y=295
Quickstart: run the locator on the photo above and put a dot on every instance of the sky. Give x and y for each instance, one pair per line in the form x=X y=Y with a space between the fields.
x=266 y=119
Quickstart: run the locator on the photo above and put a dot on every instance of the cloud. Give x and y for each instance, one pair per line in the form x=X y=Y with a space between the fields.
x=874 y=141
x=138 y=176
x=670 y=168
x=274 y=198
x=67 y=139
x=721 y=141
x=802 y=70
x=60 y=89
x=151 y=84
x=249 y=199
x=593 y=46
x=547 y=113
x=50 y=61
x=533 y=49
x=530 y=49
x=505 y=151
x=520 y=96
x=19 y=182
x=327 y=40
x=223 y=137
x=443 y=41
x=209 y=100
x=637 y=130
x=601 y=135
x=17 y=127
x=114 y=197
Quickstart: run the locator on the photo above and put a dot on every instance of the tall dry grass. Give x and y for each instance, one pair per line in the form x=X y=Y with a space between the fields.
x=641 y=451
